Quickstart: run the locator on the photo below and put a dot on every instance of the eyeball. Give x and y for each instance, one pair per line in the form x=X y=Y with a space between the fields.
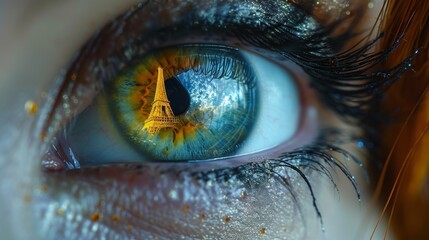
x=188 y=103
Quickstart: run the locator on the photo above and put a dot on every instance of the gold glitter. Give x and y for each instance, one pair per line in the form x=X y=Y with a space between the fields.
x=73 y=77
x=60 y=211
x=42 y=137
x=115 y=218
x=227 y=219
x=262 y=231
x=95 y=217
x=31 y=107
x=244 y=195
x=202 y=216
x=186 y=208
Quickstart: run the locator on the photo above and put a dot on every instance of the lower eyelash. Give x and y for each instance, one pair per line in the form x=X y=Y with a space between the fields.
x=324 y=156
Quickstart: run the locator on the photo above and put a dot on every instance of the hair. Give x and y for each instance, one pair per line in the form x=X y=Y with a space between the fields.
x=403 y=186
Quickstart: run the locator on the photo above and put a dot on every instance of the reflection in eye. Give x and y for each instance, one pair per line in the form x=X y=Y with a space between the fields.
x=234 y=99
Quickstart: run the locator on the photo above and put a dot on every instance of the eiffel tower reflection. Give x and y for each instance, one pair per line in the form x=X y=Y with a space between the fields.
x=161 y=115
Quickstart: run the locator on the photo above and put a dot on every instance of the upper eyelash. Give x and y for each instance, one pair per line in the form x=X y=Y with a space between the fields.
x=348 y=80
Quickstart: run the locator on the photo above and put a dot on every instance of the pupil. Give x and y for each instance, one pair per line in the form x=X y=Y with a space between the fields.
x=177 y=95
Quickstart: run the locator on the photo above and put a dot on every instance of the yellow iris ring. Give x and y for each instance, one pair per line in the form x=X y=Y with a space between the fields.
x=142 y=96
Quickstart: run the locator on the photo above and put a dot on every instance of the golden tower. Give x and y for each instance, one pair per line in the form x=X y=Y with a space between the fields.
x=161 y=116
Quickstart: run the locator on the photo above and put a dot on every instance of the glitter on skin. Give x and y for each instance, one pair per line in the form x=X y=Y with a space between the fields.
x=73 y=77
x=95 y=217
x=115 y=218
x=156 y=195
x=31 y=108
x=60 y=212
x=186 y=208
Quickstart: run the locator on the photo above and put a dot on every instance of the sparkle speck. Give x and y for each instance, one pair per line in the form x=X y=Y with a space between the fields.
x=95 y=217
x=262 y=231
x=31 y=107
x=115 y=218
x=227 y=219
x=173 y=194
x=73 y=77
x=202 y=216
x=60 y=212
x=186 y=208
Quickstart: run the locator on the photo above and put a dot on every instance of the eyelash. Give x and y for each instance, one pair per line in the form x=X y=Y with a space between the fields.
x=309 y=157
x=346 y=82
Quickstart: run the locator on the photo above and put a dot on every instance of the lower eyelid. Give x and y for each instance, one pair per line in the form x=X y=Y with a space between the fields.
x=153 y=199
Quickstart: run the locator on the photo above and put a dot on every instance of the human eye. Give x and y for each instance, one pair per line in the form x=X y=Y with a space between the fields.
x=270 y=195
x=186 y=103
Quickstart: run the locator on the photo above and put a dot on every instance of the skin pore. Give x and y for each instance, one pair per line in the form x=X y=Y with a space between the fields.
x=38 y=39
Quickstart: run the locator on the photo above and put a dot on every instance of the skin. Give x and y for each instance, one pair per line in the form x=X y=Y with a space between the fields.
x=37 y=40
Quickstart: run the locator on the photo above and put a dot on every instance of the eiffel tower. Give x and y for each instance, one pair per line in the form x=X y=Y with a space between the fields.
x=161 y=116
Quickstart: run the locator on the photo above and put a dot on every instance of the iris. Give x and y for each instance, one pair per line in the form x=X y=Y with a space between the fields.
x=189 y=102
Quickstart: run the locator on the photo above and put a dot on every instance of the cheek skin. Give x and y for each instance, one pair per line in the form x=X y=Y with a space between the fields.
x=112 y=202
